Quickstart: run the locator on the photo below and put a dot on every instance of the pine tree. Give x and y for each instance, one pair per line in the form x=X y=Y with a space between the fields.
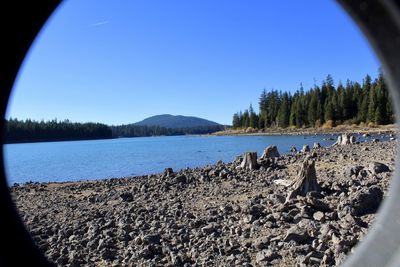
x=372 y=105
x=293 y=115
x=312 y=109
x=253 y=121
x=236 y=123
x=284 y=112
x=246 y=119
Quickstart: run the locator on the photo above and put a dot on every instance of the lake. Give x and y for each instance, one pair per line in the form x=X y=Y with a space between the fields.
x=111 y=158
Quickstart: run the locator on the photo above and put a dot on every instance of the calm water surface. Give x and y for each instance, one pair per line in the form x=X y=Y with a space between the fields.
x=97 y=159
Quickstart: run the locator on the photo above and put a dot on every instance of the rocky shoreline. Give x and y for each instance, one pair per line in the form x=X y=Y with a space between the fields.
x=219 y=215
x=382 y=129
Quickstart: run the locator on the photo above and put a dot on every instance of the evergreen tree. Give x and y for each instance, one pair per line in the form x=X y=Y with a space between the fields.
x=372 y=105
x=246 y=119
x=253 y=120
x=293 y=115
x=284 y=111
x=367 y=103
x=236 y=123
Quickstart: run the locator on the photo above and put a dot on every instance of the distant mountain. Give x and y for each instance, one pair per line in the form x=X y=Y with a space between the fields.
x=175 y=122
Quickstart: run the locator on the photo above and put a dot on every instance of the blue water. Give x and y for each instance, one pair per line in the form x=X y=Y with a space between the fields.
x=97 y=159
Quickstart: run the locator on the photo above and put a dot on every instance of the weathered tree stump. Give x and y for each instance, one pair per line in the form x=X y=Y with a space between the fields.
x=249 y=161
x=306 y=181
x=345 y=139
x=168 y=172
x=316 y=145
x=270 y=152
x=305 y=148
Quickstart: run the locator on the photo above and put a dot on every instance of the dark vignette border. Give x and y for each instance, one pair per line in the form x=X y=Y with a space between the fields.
x=21 y=21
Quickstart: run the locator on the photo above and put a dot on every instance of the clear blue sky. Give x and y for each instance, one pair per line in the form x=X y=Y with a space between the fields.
x=120 y=61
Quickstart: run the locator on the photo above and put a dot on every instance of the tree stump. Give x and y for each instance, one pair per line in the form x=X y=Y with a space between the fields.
x=168 y=172
x=270 y=152
x=345 y=139
x=316 y=145
x=249 y=161
x=306 y=181
x=305 y=148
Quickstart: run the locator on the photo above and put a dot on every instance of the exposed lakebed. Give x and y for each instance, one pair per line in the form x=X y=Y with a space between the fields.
x=219 y=215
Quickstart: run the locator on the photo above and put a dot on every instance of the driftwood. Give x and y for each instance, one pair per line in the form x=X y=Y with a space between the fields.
x=306 y=181
x=270 y=152
x=249 y=161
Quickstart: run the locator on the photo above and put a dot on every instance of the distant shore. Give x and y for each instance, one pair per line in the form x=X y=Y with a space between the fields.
x=355 y=129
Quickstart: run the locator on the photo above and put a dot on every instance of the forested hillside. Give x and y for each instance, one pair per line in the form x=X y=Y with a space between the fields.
x=17 y=131
x=351 y=103
x=34 y=131
x=176 y=122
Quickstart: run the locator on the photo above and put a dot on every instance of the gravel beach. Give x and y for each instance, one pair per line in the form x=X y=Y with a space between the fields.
x=219 y=215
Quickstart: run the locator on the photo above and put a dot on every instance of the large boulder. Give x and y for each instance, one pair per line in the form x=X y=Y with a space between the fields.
x=270 y=152
x=352 y=170
x=377 y=167
x=367 y=201
x=297 y=234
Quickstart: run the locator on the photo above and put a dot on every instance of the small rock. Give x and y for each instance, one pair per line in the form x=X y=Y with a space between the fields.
x=152 y=239
x=208 y=229
x=266 y=255
x=126 y=197
x=319 y=216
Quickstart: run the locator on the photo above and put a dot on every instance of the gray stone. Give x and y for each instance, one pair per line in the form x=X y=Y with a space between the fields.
x=152 y=239
x=266 y=255
x=208 y=229
x=296 y=234
x=319 y=216
x=270 y=152
x=126 y=197
x=261 y=243
x=367 y=201
x=377 y=167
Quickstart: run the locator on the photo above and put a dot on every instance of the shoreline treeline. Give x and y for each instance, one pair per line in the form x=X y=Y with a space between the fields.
x=352 y=103
x=20 y=131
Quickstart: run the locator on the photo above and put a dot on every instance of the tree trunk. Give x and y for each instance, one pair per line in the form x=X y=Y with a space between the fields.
x=306 y=181
x=249 y=161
